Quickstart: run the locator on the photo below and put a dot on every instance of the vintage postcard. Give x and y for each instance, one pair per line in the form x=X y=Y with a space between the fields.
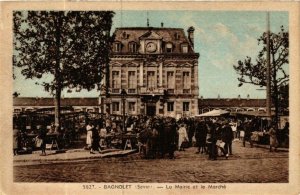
x=150 y=97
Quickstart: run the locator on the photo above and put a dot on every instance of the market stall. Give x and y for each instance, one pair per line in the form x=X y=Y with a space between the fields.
x=259 y=125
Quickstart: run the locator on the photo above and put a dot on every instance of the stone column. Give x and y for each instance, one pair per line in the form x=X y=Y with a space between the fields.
x=160 y=74
x=141 y=73
x=196 y=89
x=196 y=82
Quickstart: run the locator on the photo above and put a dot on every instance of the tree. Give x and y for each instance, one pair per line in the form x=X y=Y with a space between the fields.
x=283 y=97
x=72 y=46
x=255 y=72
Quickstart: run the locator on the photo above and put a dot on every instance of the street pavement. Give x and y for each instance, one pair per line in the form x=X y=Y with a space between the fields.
x=67 y=156
x=246 y=165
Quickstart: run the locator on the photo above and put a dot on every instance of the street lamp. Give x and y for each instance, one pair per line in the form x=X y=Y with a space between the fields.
x=123 y=95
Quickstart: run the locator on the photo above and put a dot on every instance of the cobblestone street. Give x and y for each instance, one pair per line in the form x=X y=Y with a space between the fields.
x=247 y=165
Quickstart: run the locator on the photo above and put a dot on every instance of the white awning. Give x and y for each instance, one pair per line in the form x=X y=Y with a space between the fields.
x=215 y=112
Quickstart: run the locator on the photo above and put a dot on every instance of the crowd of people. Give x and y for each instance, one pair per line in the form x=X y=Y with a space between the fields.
x=157 y=137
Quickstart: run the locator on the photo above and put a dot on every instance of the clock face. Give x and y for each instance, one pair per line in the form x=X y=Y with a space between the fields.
x=151 y=47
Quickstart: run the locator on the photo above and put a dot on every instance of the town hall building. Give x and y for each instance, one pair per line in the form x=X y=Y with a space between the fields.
x=154 y=71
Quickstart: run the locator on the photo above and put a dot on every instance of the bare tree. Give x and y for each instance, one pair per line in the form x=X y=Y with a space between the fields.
x=255 y=72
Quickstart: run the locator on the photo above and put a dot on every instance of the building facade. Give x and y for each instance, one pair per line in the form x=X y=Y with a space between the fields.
x=23 y=104
x=157 y=68
x=232 y=104
x=85 y=104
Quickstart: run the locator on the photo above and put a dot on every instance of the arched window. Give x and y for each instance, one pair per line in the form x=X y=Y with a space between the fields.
x=177 y=36
x=169 y=48
x=117 y=47
x=240 y=110
x=133 y=47
x=77 y=109
x=261 y=109
x=17 y=110
x=90 y=109
x=184 y=48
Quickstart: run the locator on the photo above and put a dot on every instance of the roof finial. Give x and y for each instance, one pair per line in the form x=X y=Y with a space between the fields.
x=147 y=19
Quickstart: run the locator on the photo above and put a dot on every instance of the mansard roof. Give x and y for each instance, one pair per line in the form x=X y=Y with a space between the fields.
x=150 y=35
x=176 y=36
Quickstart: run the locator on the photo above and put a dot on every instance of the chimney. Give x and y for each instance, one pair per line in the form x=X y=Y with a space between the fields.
x=248 y=97
x=162 y=24
x=239 y=97
x=191 y=35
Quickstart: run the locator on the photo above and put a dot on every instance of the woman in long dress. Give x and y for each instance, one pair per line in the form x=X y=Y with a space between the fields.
x=273 y=139
x=43 y=137
x=89 y=134
x=95 y=141
x=16 y=141
x=182 y=136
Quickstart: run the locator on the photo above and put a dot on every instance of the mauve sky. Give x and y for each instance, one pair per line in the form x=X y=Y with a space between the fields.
x=221 y=37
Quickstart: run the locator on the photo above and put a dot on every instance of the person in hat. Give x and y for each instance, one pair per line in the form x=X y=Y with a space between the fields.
x=233 y=126
x=182 y=137
x=16 y=140
x=89 y=134
x=248 y=132
x=95 y=147
x=227 y=137
x=273 y=139
x=200 y=135
x=43 y=135
x=211 y=140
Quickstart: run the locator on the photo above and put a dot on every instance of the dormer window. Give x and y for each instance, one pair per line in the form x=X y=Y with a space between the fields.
x=169 y=47
x=184 y=48
x=125 y=35
x=177 y=36
x=133 y=47
x=117 y=47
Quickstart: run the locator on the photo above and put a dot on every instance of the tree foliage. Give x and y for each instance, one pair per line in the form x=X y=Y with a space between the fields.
x=73 y=46
x=283 y=97
x=254 y=72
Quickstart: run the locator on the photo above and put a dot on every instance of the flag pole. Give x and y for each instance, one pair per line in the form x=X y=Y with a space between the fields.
x=268 y=103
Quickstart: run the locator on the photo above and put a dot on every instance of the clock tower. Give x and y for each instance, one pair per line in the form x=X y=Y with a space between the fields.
x=151 y=47
x=151 y=43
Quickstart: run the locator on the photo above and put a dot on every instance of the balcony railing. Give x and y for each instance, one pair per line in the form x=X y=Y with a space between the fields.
x=131 y=91
x=186 y=91
x=171 y=91
x=145 y=90
x=115 y=91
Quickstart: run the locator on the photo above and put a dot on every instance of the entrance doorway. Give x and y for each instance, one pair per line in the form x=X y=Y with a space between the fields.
x=151 y=110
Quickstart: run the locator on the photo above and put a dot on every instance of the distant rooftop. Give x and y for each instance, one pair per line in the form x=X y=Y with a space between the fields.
x=231 y=102
x=85 y=101
x=31 y=101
